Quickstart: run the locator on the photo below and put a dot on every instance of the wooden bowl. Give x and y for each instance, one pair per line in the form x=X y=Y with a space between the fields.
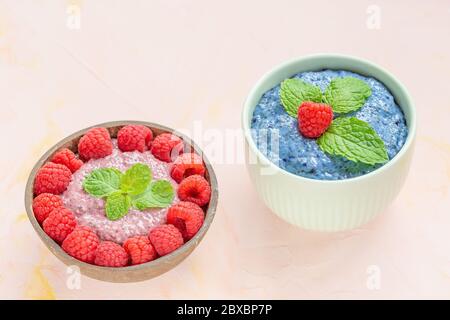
x=131 y=273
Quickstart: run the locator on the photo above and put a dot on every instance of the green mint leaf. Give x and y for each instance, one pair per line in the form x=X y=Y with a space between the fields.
x=159 y=194
x=355 y=140
x=102 y=182
x=347 y=94
x=294 y=91
x=136 y=179
x=117 y=206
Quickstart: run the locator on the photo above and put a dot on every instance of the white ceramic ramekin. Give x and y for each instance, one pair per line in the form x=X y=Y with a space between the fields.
x=328 y=205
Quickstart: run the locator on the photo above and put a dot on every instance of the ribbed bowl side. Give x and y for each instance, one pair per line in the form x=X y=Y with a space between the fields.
x=339 y=206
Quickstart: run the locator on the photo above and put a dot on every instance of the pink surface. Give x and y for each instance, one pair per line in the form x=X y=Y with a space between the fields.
x=190 y=65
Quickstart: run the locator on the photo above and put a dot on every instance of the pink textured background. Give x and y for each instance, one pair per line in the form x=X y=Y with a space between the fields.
x=178 y=62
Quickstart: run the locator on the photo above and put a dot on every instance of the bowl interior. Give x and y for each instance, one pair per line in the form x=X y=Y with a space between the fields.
x=130 y=273
x=322 y=62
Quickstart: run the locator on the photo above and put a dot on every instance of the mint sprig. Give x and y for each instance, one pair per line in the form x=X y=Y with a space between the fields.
x=355 y=140
x=136 y=179
x=295 y=91
x=117 y=206
x=158 y=194
x=102 y=182
x=350 y=138
x=344 y=95
x=134 y=188
x=347 y=94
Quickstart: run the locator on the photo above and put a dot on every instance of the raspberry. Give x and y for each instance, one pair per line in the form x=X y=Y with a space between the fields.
x=44 y=203
x=110 y=254
x=67 y=158
x=52 y=178
x=59 y=224
x=165 y=238
x=140 y=249
x=195 y=189
x=81 y=244
x=95 y=144
x=186 y=165
x=166 y=147
x=134 y=137
x=187 y=217
x=314 y=118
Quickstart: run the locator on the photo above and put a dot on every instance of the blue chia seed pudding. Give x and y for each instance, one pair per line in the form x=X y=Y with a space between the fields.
x=302 y=156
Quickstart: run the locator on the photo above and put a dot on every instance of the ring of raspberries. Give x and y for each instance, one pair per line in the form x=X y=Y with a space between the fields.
x=184 y=218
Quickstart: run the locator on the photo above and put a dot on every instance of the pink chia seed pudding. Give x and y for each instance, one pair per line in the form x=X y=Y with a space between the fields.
x=89 y=211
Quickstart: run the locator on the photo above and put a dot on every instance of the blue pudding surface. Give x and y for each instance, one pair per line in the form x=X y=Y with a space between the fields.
x=277 y=137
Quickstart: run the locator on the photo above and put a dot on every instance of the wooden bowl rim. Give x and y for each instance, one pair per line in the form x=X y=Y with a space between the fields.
x=184 y=250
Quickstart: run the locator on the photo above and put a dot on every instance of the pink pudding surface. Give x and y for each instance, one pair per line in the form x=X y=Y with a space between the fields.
x=89 y=211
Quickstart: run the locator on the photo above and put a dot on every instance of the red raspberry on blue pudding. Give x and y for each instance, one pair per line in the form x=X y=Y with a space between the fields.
x=314 y=118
